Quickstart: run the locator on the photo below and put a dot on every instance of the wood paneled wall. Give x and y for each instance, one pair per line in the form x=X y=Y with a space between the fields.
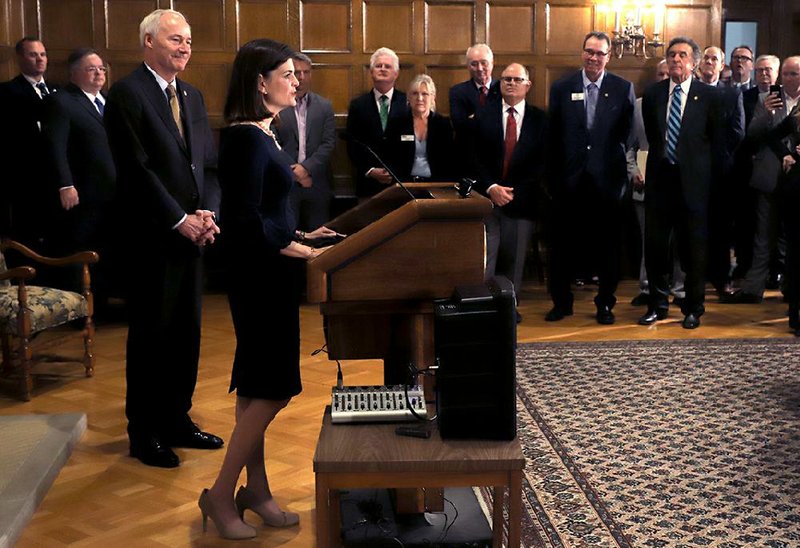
x=340 y=35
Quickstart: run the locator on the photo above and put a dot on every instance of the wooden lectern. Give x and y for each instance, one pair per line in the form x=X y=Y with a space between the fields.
x=376 y=287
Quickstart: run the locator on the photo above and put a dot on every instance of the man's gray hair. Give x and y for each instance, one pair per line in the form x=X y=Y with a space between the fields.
x=302 y=57
x=696 y=54
x=152 y=21
x=771 y=59
x=489 y=52
x=384 y=52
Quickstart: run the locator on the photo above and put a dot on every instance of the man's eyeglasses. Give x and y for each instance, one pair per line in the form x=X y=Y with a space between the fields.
x=741 y=58
x=595 y=53
x=101 y=70
x=513 y=79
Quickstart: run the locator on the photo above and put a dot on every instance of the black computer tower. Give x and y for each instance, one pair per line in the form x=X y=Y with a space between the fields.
x=475 y=336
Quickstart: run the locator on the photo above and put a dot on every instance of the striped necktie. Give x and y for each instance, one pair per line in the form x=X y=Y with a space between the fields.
x=43 y=89
x=100 y=106
x=674 y=126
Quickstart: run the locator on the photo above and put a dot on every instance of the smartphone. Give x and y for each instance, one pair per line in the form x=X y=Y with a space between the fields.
x=775 y=89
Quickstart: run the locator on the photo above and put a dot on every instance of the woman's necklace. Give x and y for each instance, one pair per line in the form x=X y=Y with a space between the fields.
x=263 y=125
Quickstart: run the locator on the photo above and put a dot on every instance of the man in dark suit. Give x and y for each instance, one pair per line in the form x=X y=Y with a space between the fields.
x=684 y=130
x=24 y=212
x=467 y=98
x=509 y=151
x=83 y=172
x=590 y=118
x=308 y=135
x=166 y=165
x=367 y=119
x=722 y=205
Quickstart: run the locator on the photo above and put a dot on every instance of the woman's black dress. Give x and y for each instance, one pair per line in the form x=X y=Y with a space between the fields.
x=263 y=285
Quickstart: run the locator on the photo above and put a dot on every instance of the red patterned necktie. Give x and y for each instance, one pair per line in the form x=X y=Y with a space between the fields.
x=482 y=96
x=511 y=140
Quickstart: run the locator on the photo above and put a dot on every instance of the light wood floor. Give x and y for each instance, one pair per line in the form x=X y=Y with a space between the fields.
x=104 y=498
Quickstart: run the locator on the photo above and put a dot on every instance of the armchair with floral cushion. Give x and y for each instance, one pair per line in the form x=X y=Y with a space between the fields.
x=27 y=310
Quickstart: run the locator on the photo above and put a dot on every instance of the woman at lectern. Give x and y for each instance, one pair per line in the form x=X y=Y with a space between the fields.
x=420 y=144
x=263 y=261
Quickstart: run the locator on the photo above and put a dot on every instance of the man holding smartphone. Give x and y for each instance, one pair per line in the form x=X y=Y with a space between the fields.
x=771 y=109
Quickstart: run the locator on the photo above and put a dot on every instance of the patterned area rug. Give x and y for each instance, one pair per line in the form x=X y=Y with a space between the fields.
x=661 y=443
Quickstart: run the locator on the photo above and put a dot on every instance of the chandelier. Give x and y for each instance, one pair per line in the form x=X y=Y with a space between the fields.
x=630 y=38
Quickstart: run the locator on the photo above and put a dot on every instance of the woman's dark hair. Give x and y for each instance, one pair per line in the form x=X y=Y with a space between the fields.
x=257 y=57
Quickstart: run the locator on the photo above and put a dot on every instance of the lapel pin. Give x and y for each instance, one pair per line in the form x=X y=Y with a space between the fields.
x=185 y=95
x=695 y=97
x=605 y=95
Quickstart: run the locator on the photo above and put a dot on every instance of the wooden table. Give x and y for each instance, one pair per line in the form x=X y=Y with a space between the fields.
x=372 y=456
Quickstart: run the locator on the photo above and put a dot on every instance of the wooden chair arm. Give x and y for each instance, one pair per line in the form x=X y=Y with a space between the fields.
x=80 y=257
x=18 y=273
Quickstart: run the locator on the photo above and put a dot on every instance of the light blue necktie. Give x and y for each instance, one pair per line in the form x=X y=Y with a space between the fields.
x=591 y=103
x=674 y=126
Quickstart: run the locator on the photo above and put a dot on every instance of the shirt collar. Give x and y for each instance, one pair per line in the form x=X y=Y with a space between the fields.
x=685 y=85
x=378 y=94
x=478 y=86
x=161 y=82
x=586 y=81
x=93 y=97
x=33 y=82
x=519 y=108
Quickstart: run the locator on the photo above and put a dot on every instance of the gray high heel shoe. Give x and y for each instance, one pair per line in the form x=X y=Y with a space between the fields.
x=246 y=500
x=235 y=531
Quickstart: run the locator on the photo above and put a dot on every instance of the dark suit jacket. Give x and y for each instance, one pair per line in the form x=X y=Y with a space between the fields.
x=78 y=147
x=734 y=119
x=749 y=101
x=320 y=139
x=465 y=101
x=161 y=177
x=21 y=144
x=401 y=148
x=702 y=132
x=577 y=151
x=526 y=171
x=364 y=124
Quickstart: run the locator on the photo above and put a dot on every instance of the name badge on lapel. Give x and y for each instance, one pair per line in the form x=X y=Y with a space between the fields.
x=406 y=138
x=577 y=96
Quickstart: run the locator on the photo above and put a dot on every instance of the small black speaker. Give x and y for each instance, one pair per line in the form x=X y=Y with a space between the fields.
x=475 y=336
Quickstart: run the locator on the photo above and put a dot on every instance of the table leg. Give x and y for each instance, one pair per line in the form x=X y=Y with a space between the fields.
x=323 y=511
x=497 y=516
x=514 y=508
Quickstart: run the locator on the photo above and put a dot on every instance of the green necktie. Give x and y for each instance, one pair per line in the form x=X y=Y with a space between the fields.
x=384 y=112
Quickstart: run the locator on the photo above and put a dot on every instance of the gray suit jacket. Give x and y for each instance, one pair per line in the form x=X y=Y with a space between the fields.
x=320 y=139
x=766 y=166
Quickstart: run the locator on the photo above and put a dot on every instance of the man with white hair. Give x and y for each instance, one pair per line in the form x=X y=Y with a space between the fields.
x=367 y=119
x=164 y=152
x=470 y=97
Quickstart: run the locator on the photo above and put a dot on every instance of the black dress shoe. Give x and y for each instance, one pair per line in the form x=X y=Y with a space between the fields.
x=690 y=322
x=557 y=314
x=604 y=315
x=774 y=281
x=152 y=452
x=651 y=316
x=519 y=317
x=740 y=297
x=193 y=438
x=642 y=299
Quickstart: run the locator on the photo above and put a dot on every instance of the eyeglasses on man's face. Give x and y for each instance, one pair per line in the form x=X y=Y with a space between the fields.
x=595 y=53
x=741 y=58
x=100 y=69
x=513 y=79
